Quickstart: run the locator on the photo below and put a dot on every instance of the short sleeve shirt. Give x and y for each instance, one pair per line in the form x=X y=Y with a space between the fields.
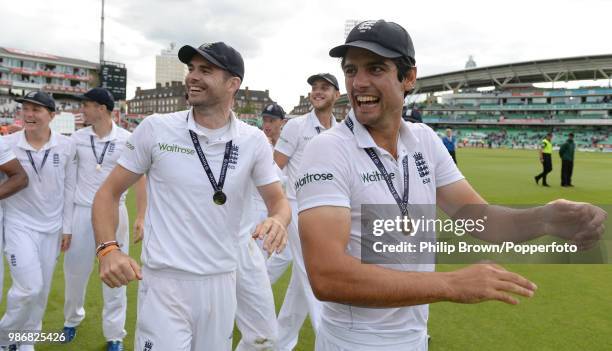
x=294 y=137
x=108 y=150
x=45 y=205
x=187 y=233
x=348 y=178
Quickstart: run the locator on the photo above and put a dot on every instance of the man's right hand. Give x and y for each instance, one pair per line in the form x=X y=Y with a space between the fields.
x=118 y=269
x=484 y=282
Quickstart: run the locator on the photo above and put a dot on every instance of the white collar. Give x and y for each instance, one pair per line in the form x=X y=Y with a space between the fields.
x=108 y=137
x=314 y=120
x=231 y=134
x=365 y=140
x=22 y=142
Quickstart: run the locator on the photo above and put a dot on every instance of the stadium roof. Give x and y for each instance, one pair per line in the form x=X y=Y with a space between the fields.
x=551 y=70
x=47 y=58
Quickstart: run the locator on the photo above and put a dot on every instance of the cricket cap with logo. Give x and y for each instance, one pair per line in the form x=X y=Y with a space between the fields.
x=100 y=95
x=273 y=110
x=386 y=39
x=219 y=54
x=39 y=98
x=328 y=77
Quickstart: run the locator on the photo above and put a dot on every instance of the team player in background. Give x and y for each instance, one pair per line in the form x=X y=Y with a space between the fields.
x=273 y=118
x=385 y=307
x=98 y=148
x=36 y=217
x=14 y=178
x=255 y=312
x=199 y=164
x=297 y=132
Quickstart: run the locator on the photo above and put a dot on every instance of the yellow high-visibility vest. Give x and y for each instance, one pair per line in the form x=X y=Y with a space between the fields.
x=546 y=146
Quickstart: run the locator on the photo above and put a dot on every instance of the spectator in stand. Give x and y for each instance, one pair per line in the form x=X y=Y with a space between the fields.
x=566 y=152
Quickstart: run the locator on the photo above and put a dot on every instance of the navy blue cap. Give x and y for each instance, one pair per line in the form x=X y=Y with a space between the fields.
x=101 y=96
x=273 y=110
x=39 y=98
x=328 y=77
x=386 y=39
x=219 y=54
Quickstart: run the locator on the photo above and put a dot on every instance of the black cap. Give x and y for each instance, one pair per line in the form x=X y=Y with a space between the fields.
x=328 y=77
x=39 y=98
x=386 y=39
x=219 y=54
x=273 y=110
x=101 y=96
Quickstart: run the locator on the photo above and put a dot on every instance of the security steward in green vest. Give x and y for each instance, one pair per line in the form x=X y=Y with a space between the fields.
x=566 y=152
x=545 y=159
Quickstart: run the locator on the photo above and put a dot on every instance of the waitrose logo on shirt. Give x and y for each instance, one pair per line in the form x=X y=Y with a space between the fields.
x=309 y=178
x=374 y=176
x=175 y=148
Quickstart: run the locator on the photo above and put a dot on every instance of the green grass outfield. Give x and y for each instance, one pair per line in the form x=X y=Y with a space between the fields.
x=572 y=309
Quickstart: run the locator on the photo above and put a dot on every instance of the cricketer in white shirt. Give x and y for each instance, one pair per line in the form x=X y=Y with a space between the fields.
x=14 y=178
x=191 y=243
x=92 y=170
x=34 y=218
x=341 y=179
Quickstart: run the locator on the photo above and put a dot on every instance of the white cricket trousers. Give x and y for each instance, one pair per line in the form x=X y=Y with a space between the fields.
x=182 y=312
x=31 y=257
x=255 y=313
x=278 y=263
x=78 y=264
x=299 y=298
x=333 y=338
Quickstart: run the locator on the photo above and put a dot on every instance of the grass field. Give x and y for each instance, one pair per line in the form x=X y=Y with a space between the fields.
x=572 y=309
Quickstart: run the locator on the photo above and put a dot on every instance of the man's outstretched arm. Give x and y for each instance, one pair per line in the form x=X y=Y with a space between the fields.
x=336 y=276
x=579 y=222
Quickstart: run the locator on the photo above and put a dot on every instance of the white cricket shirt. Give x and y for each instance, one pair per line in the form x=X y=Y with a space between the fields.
x=186 y=232
x=347 y=177
x=89 y=178
x=46 y=204
x=294 y=137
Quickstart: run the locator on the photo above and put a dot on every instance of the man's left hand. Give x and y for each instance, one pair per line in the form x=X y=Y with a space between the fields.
x=138 y=229
x=66 y=239
x=579 y=222
x=273 y=233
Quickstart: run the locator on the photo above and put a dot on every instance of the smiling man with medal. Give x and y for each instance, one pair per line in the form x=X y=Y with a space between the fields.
x=199 y=164
x=98 y=148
